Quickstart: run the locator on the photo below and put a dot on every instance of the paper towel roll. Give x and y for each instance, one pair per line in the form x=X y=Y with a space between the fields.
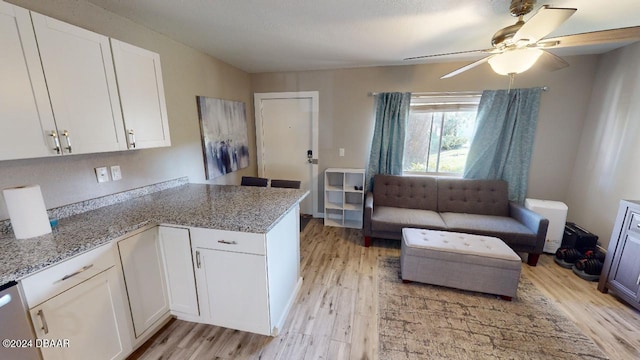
x=27 y=211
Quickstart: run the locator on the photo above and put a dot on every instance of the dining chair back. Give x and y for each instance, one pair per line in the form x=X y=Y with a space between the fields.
x=254 y=181
x=290 y=184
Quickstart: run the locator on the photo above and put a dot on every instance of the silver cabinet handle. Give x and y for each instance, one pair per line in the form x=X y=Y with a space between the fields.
x=56 y=142
x=638 y=281
x=5 y=300
x=44 y=327
x=228 y=242
x=198 y=259
x=132 y=139
x=84 y=268
x=68 y=139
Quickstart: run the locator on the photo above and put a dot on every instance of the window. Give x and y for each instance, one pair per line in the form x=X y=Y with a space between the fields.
x=439 y=133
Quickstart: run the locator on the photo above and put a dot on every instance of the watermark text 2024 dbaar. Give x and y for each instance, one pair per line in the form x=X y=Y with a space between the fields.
x=39 y=343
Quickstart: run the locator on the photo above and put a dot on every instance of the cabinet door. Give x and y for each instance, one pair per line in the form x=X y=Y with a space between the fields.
x=142 y=95
x=144 y=278
x=234 y=289
x=625 y=275
x=89 y=315
x=82 y=86
x=26 y=120
x=181 y=283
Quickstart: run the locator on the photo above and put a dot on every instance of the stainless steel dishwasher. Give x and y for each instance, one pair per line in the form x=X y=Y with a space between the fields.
x=16 y=333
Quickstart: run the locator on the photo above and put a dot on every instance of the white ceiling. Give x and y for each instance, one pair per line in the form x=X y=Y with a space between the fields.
x=284 y=35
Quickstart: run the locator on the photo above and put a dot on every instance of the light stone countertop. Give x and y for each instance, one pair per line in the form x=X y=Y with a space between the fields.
x=222 y=207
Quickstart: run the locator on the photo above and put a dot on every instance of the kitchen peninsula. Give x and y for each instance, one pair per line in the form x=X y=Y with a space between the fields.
x=216 y=254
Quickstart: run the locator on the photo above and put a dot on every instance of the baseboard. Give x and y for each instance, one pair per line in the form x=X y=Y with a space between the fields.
x=277 y=326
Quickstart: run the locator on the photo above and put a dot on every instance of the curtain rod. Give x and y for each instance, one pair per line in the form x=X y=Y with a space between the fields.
x=544 y=88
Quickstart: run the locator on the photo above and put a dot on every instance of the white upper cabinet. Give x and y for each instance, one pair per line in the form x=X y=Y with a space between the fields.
x=81 y=80
x=68 y=90
x=141 y=95
x=26 y=120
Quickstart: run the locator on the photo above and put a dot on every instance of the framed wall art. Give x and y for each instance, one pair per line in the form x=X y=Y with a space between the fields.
x=225 y=145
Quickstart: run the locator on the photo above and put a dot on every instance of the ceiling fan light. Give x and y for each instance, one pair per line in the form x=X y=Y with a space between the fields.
x=514 y=61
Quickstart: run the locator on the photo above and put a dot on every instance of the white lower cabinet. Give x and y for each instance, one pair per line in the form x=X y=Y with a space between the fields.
x=80 y=304
x=248 y=281
x=144 y=277
x=88 y=317
x=181 y=283
x=233 y=289
x=105 y=309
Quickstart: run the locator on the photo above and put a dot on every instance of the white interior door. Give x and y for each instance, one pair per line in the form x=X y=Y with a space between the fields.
x=286 y=129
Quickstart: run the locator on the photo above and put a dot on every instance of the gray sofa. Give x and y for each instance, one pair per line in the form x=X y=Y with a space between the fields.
x=469 y=206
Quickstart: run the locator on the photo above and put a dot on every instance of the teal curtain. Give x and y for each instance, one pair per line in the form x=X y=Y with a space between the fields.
x=503 y=141
x=387 y=145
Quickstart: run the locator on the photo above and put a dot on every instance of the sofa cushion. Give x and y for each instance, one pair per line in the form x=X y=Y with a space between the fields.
x=508 y=229
x=411 y=192
x=394 y=219
x=486 y=197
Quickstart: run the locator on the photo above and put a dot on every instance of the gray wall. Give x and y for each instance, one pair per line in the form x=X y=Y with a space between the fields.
x=186 y=74
x=606 y=170
x=346 y=110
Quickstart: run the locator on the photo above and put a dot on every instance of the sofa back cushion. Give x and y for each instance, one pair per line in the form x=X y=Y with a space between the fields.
x=485 y=197
x=411 y=192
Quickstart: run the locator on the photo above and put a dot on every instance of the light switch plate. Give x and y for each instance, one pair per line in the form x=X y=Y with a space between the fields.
x=341 y=151
x=116 y=174
x=101 y=174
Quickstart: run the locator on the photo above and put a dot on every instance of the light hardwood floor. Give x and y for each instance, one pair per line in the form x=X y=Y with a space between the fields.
x=335 y=314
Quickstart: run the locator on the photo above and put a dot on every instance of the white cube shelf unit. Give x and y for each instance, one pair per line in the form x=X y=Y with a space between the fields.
x=344 y=197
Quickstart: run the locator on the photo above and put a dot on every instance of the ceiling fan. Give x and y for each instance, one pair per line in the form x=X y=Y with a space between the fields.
x=517 y=47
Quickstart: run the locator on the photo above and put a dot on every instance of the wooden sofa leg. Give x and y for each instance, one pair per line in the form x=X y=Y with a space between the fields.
x=506 y=298
x=532 y=259
x=367 y=241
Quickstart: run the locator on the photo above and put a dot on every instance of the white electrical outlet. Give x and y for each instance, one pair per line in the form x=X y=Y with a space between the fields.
x=102 y=174
x=116 y=174
x=341 y=151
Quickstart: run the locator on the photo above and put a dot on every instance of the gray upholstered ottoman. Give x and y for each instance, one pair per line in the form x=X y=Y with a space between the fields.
x=461 y=261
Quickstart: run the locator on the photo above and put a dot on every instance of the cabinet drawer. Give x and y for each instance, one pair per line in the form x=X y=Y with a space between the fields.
x=249 y=243
x=634 y=224
x=53 y=280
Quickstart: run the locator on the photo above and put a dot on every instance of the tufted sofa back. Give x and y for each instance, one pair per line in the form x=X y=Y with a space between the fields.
x=413 y=192
x=486 y=197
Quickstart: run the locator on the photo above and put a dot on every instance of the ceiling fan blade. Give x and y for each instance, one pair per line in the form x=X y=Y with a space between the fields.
x=545 y=21
x=451 y=53
x=551 y=62
x=467 y=67
x=597 y=37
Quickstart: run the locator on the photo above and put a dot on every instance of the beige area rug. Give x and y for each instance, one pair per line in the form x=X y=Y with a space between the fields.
x=419 y=321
